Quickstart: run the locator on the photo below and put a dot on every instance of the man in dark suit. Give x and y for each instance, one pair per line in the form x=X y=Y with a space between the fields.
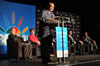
x=77 y=44
x=16 y=38
x=70 y=38
x=46 y=32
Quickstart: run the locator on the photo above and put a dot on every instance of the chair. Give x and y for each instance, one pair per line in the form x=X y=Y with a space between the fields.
x=86 y=49
x=12 y=48
x=72 y=49
x=36 y=49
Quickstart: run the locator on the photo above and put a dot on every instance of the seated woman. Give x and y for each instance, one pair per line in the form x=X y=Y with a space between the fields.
x=32 y=37
x=32 y=40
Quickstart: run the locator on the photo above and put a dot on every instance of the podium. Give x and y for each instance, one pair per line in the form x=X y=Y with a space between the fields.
x=61 y=42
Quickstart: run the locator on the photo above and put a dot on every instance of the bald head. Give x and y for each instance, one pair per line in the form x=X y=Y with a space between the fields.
x=51 y=6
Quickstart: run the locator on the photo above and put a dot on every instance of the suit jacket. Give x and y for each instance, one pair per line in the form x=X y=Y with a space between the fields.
x=15 y=43
x=45 y=24
x=13 y=37
x=46 y=15
x=71 y=40
x=87 y=40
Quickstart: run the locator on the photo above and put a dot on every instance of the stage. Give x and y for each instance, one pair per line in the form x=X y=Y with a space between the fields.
x=78 y=60
x=75 y=18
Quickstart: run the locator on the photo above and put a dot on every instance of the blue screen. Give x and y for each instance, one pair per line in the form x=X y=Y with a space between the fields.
x=20 y=16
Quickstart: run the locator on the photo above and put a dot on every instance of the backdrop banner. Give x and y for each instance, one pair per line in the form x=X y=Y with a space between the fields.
x=20 y=16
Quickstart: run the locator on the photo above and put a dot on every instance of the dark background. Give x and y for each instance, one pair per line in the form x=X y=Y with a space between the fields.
x=88 y=10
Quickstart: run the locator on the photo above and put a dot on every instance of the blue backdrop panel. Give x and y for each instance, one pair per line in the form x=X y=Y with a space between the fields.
x=20 y=16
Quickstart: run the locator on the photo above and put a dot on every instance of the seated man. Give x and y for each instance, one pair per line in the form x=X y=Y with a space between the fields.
x=77 y=44
x=70 y=38
x=71 y=43
x=91 y=42
x=13 y=37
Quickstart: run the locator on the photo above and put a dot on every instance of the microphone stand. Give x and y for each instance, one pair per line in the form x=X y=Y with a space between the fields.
x=62 y=21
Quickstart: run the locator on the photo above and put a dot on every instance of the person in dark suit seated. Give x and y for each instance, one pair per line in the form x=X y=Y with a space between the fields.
x=91 y=42
x=71 y=43
x=76 y=44
x=13 y=37
x=71 y=39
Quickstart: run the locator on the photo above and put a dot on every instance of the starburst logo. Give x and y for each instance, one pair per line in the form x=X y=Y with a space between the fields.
x=4 y=35
x=13 y=22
